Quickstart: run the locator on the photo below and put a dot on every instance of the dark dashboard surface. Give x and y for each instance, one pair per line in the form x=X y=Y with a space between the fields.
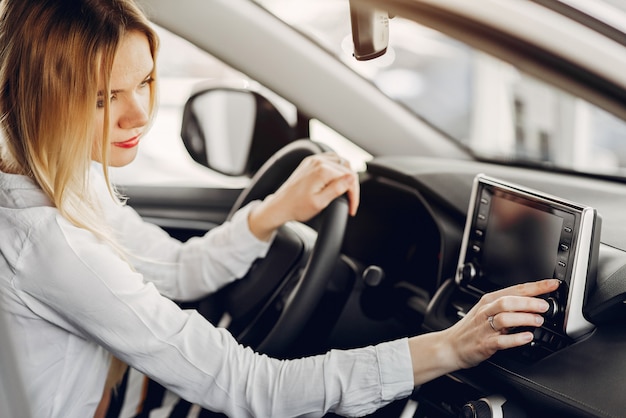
x=586 y=377
x=451 y=182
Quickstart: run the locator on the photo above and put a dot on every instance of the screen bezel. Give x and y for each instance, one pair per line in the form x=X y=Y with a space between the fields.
x=583 y=251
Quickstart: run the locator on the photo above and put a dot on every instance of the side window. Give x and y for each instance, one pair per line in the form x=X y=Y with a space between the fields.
x=162 y=158
x=518 y=117
x=494 y=108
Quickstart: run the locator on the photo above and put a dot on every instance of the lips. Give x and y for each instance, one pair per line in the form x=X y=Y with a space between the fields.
x=129 y=143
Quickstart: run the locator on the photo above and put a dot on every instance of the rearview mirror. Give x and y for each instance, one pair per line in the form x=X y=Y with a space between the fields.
x=370 y=31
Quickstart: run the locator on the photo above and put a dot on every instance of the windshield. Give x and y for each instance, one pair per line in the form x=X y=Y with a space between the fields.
x=488 y=105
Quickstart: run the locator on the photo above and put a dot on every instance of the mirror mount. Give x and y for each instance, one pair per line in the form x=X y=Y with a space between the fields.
x=370 y=31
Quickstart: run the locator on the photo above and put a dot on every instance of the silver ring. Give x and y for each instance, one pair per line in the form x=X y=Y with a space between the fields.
x=493 y=327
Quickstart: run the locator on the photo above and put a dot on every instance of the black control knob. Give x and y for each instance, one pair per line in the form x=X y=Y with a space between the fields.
x=476 y=409
x=373 y=276
x=554 y=308
x=490 y=406
x=467 y=273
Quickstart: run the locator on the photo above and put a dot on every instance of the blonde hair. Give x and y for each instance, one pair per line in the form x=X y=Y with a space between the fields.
x=55 y=56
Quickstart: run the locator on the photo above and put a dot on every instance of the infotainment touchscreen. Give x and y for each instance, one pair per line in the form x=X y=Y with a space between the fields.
x=515 y=234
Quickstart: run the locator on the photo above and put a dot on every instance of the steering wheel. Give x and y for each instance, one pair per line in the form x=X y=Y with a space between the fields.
x=268 y=307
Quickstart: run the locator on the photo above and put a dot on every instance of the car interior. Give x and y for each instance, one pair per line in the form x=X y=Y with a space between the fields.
x=426 y=243
x=437 y=226
x=434 y=231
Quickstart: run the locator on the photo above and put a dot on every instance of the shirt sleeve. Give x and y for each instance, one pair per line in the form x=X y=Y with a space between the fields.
x=80 y=284
x=181 y=271
x=195 y=268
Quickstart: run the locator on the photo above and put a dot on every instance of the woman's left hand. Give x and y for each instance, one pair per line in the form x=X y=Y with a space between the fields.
x=500 y=320
x=316 y=182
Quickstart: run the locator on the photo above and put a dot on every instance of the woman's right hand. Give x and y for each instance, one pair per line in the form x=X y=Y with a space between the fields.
x=483 y=331
x=316 y=182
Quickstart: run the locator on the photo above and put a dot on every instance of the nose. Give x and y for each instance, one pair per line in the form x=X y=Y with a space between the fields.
x=135 y=113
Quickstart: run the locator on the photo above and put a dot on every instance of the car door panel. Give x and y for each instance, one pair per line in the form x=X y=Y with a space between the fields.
x=182 y=211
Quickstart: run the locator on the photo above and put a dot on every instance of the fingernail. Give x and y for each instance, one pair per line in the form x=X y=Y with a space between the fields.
x=539 y=319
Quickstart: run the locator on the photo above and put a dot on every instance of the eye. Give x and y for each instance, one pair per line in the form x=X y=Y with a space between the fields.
x=149 y=80
x=100 y=101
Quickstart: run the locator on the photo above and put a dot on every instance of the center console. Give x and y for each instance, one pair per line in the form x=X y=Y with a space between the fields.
x=515 y=234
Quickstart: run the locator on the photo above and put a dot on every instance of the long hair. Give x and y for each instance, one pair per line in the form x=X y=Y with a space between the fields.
x=55 y=56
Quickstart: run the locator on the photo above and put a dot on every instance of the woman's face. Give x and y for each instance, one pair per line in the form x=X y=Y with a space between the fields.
x=129 y=100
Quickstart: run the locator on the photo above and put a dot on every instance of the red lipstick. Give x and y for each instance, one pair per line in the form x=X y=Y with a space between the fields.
x=129 y=143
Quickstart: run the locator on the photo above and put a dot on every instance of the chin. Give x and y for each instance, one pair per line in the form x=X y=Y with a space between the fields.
x=121 y=159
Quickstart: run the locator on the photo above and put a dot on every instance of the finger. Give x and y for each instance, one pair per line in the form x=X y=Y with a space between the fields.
x=504 y=341
x=353 y=194
x=333 y=156
x=349 y=184
x=337 y=160
x=339 y=179
x=507 y=320
x=346 y=183
x=326 y=168
x=330 y=157
x=515 y=304
x=537 y=288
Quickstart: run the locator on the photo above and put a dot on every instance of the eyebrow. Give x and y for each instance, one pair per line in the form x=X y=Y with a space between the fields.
x=101 y=93
x=150 y=74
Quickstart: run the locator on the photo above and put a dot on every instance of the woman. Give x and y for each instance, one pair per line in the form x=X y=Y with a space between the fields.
x=77 y=91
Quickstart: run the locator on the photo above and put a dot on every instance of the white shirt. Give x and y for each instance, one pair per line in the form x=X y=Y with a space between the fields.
x=70 y=300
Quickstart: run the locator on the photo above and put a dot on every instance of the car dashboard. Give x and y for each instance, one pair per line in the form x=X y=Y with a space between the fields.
x=409 y=231
x=396 y=278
